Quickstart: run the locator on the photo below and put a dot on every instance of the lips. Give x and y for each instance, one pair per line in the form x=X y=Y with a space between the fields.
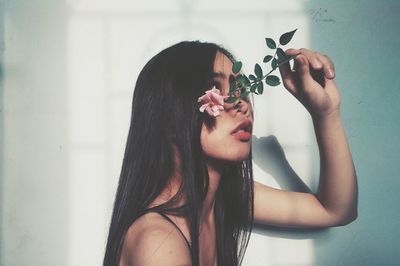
x=243 y=130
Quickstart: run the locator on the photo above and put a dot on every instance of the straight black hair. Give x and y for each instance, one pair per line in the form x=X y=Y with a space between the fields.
x=165 y=112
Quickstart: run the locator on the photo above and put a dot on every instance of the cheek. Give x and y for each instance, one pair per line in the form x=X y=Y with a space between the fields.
x=224 y=147
x=212 y=142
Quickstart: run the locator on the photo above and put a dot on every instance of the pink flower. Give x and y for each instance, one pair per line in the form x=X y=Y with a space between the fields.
x=212 y=102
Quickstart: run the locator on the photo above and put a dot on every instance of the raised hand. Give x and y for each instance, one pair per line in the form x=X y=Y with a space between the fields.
x=311 y=81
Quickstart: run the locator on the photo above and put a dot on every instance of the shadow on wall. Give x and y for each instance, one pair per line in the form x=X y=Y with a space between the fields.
x=270 y=156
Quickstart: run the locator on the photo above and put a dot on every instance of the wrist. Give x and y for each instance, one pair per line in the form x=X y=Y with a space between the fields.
x=329 y=115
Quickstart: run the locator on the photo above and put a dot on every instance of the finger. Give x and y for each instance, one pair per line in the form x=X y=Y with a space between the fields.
x=288 y=78
x=329 y=67
x=303 y=72
x=313 y=59
x=292 y=51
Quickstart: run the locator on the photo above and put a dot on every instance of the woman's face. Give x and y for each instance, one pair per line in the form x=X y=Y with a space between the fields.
x=229 y=137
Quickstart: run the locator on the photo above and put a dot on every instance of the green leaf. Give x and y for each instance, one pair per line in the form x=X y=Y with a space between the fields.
x=237 y=66
x=286 y=37
x=272 y=80
x=244 y=94
x=267 y=58
x=231 y=99
x=274 y=63
x=232 y=86
x=260 y=87
x=240 y=79
x=270 y=43
x=281 y=54
x=253 y=87
x=246 y=80
x=252 y=77
x=258 y=71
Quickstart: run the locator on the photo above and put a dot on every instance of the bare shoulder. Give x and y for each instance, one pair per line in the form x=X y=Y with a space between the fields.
x=152 y=240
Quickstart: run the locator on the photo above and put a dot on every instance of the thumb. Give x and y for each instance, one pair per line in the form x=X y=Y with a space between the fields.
x=303 y=72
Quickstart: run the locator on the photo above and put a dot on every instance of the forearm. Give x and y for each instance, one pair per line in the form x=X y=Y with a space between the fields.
x=337 y=190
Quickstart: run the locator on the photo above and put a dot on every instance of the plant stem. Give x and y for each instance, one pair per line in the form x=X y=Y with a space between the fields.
x=276 y=50
x=281 y=63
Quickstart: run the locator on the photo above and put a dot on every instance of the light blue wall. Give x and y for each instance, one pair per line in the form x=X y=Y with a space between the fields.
x=363 y=38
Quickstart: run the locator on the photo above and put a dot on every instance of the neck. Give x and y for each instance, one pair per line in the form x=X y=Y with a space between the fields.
x=214 y=168
x=214 y=172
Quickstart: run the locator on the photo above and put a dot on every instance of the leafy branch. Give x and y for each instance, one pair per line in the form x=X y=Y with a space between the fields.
x=243 y=85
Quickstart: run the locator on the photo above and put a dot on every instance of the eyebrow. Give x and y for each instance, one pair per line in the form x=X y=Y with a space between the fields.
x=222 y=75
x=218 y=75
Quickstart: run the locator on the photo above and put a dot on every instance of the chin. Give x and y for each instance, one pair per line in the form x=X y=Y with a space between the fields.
x=231 y=152
x=229 y=158
x=241 y=158
x=237 y=157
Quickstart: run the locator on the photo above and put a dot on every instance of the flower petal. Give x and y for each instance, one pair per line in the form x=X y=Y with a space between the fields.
x=203 y=107
x=213 y=102
x=209 y=111
x=216 y=113
x=218 y=99
x=205 y=98
x=214 y=108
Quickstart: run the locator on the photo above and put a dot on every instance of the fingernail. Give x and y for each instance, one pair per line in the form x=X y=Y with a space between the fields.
x=330 y=73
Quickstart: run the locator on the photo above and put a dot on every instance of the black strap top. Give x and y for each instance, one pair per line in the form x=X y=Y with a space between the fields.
x=168 y=219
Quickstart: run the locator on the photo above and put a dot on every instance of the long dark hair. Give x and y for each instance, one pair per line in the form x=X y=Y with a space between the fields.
x=165 y=110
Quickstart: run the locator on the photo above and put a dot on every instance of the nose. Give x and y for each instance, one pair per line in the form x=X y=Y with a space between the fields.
x=243 y=107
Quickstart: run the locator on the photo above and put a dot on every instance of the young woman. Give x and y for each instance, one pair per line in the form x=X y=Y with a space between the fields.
x=186 y=194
